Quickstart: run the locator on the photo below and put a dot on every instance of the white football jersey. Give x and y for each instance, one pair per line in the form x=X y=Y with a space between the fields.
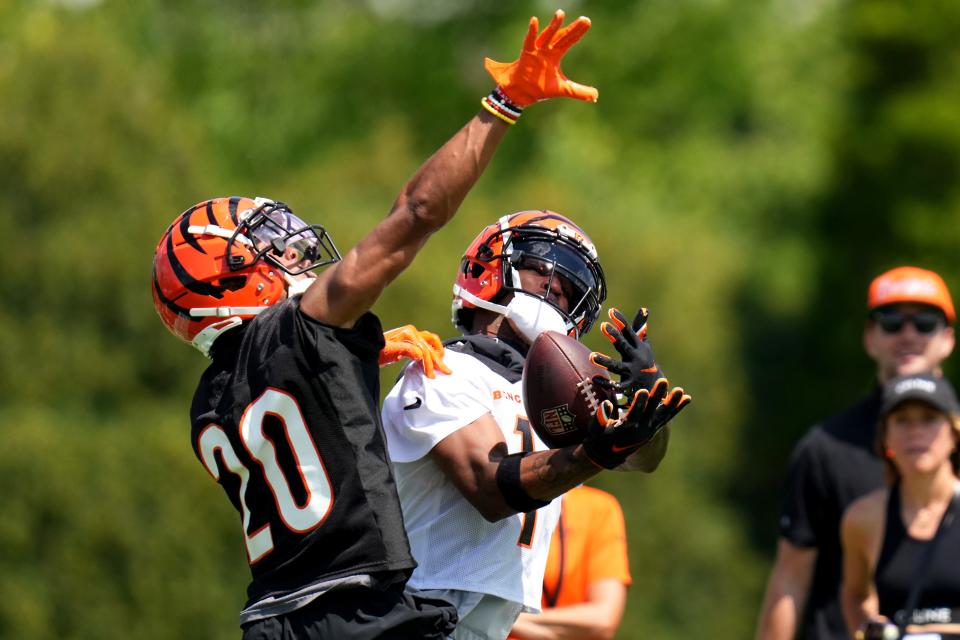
x=455 y=547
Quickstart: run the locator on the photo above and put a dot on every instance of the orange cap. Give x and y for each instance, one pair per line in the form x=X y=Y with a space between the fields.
x=911 y=284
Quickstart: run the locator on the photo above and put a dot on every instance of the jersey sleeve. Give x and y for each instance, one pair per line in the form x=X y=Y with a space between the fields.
x=803 y=507
x=419 y=412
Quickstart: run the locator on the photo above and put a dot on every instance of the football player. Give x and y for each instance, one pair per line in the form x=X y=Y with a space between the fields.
x=286 y=417
x=478 y=489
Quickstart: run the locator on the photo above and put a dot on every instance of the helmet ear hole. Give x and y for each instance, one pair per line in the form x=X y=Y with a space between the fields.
x=485 y=253
x=233 y=283
x=476 y=270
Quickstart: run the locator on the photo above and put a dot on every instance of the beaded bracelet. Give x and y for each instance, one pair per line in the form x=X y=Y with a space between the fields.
x=500 y=106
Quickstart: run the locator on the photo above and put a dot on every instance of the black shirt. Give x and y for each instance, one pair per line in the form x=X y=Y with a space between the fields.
x=896 y=571
x=286 y=419
x=834 y=464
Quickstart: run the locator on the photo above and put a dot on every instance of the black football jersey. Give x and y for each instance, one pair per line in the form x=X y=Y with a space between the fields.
x=286 y=419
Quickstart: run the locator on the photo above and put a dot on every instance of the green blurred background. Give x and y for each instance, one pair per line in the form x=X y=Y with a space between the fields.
x=750 y=165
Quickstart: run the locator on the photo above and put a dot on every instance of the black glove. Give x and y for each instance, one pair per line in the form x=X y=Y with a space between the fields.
x=674 y=402
x=612 y=440
x=637 y=368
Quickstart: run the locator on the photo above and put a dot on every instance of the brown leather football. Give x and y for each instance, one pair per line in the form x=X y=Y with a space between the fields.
x=558 y=389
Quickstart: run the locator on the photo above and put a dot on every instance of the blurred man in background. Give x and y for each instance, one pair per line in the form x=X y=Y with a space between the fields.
x=909 y=330
x=587 y=575
x=286 y=418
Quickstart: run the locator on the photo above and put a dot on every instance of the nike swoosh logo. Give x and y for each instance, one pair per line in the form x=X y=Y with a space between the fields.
x=617 y=449
x=650 y=370
x=413 y=405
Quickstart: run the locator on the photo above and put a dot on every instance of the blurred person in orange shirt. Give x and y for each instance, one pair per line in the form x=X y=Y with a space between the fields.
x=587 y=575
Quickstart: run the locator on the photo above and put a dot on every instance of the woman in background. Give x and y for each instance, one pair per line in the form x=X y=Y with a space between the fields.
x=885 y=532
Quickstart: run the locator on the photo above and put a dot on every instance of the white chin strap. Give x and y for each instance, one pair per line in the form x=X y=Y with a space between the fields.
x=204 y=340
x=528 y=315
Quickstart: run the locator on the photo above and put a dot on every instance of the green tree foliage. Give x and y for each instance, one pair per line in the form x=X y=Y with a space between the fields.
x=891 y=198
x=110 y=532
x=749 y=166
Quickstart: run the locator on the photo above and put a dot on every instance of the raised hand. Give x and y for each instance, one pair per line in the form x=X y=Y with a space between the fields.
x=536 y=74
x=409 y=342
x=637 y=368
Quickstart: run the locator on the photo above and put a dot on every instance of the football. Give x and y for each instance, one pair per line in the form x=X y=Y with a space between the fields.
x=558 y=389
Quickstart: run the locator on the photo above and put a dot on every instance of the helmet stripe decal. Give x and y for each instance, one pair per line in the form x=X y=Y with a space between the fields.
x=189 y=237
x=212 y=218
x=169 y=304
x=234 y=202
x=191 y=283
x=185 y=214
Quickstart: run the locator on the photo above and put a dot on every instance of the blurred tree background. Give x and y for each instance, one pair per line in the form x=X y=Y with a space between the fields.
x=750 y=165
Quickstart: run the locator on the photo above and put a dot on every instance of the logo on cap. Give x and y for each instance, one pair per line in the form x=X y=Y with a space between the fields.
x=906 y=289
x=911 y=284
x=926 y=386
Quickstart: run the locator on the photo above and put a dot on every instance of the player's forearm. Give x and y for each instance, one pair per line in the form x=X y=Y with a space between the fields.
x=438 y=188
x=548 y=474
x=505 y=486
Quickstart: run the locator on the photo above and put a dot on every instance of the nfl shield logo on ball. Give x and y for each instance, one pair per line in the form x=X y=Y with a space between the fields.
x=558 y=420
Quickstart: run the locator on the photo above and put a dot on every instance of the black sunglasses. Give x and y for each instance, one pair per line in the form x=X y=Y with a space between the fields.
x=893 y=321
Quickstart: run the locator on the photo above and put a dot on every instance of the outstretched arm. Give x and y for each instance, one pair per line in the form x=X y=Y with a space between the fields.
x=345 y=290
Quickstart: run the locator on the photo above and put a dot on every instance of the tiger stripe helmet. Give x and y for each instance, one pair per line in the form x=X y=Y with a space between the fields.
x=223 y=261
x=488 y=269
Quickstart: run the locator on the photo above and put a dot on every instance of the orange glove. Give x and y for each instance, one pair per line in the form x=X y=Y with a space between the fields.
x=536 y=74
x=409 y=342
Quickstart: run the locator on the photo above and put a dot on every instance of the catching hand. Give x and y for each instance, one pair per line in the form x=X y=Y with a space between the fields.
x=536 y=74
x=409 y=342
x=611 y=440
x=637 y=369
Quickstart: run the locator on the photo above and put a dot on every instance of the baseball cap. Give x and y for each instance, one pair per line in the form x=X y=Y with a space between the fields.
x=936 y=392
x=911 y=284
